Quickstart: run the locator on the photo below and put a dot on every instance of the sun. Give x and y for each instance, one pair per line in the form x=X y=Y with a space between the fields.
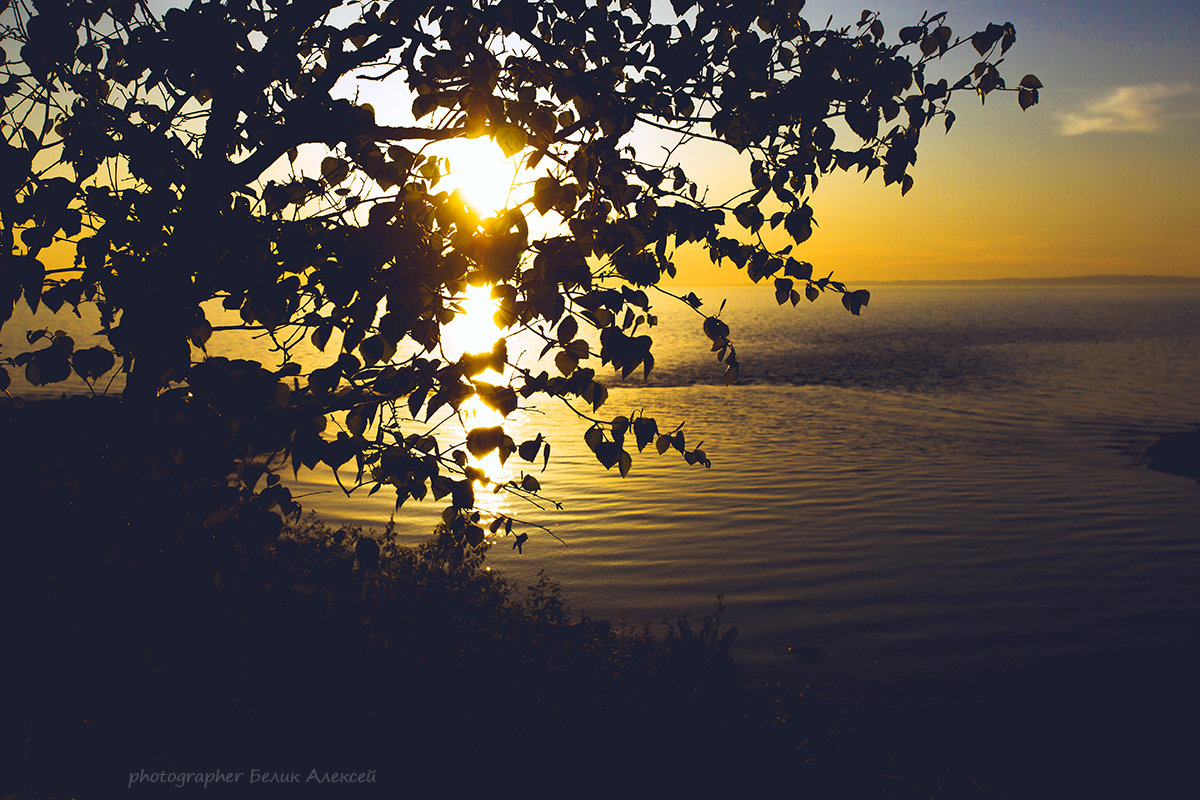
x=480 y=172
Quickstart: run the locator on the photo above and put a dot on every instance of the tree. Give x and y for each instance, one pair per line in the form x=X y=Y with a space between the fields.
x=154 y=165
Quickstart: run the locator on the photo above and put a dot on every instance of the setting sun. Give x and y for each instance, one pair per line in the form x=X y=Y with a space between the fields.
x=481 y=173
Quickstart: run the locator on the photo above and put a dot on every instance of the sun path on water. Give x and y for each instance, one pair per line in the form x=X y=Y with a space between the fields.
x=489 y=182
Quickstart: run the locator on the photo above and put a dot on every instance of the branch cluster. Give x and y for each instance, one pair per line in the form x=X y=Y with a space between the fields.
x=167 y=160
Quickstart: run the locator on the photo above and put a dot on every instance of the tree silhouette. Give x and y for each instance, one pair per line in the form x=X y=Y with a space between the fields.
x=154 y=165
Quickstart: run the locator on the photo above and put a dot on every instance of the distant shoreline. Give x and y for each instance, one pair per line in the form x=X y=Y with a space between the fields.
x=1070 y=280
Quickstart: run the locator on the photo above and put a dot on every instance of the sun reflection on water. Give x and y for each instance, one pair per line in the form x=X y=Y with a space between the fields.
x=475 y=331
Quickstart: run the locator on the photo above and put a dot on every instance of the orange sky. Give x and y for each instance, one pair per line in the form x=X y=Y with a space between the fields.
x=1102 y=177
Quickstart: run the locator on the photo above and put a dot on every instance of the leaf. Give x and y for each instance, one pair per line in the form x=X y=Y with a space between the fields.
x=334 y=170
x=644 y=431
x=567 y=329
x=799 y=224
x=1030 y=82
x=30 y=275
x=356 y=421
x=462 y=495
x=749 y=216
x=321 y=334
x=863 y=120
x=546 y=193
x=715 y=329
x=417 y=399
x=424 y=104
x=1027 y=98
x=800 y=270
x=200 y=333
x=596 y=394
x=593 y=437
x=507 y=447
x=609 y=454
x=339 y=451
x=580 y=349
x=529 y=450
x=502 y=399
x=481 y=441
x=530 y=483
x=511 y=139
x=984 y=40
x=566 y=361
x=440 y=486
x=854 y=301
x=92 y=362
x=783 y=290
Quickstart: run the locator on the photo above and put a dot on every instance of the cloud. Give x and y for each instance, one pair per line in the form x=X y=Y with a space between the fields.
x=1135 y=109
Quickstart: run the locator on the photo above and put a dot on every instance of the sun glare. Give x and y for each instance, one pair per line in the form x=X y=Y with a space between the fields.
x=481 y=173
x=475 y=331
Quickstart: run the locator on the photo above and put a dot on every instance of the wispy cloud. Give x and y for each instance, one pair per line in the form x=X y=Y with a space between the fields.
x=1137 y=109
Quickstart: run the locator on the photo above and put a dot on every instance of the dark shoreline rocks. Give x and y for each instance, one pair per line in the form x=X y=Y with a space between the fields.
x=1176 y=454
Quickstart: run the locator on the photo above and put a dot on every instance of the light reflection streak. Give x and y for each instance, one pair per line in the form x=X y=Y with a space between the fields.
x=475 y=331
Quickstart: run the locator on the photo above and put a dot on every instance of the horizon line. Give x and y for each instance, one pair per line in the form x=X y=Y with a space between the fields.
x=1089 y=279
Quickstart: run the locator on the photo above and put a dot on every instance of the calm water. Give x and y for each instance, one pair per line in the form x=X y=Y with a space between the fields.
x=950 y=484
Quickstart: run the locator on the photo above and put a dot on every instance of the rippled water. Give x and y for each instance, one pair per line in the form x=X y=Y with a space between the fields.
x=951 y=483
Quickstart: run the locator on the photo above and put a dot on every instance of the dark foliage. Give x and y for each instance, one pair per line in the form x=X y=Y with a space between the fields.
x=140 y=645
x=165 y=169
x=135 y=640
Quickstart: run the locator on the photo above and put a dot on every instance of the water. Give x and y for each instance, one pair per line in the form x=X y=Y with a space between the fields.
x=954 y=481
x=949 y=485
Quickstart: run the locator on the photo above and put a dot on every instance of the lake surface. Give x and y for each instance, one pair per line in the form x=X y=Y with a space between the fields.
x=951 y=484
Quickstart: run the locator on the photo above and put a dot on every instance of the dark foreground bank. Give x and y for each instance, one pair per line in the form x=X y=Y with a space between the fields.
x=159 y=646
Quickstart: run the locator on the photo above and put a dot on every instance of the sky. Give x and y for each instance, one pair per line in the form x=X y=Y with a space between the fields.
x=1101 y=177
